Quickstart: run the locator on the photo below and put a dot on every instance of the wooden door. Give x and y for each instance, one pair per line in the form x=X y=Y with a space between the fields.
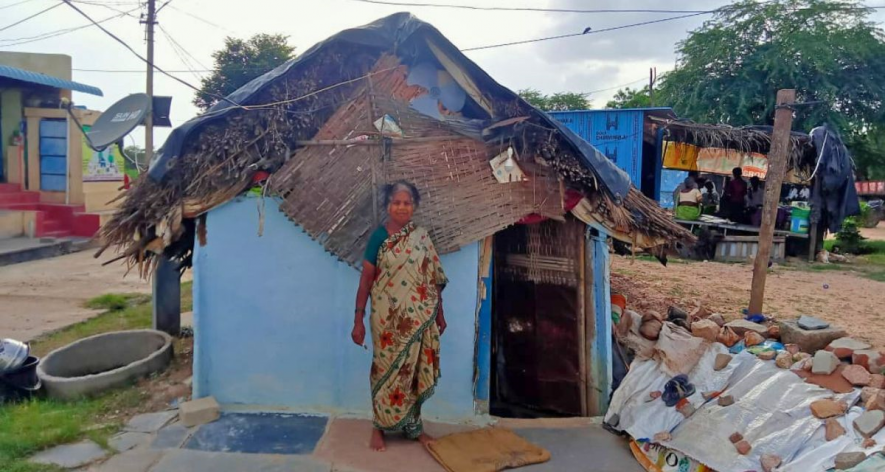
x=538 y=318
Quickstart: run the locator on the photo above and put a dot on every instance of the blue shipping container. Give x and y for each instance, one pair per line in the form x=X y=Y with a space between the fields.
x=615 y=133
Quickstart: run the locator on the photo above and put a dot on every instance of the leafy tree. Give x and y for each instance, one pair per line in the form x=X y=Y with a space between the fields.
x=729 y=70
x=630 y=98
x=239 y=62
x=867 y=150
x=561 y=101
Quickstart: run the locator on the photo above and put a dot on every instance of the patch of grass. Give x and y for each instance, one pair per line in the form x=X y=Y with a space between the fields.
x=878 y=276
x=829 y=267
x=111 y=301
x=31 y=426
x=137 y=314
x=28 y=427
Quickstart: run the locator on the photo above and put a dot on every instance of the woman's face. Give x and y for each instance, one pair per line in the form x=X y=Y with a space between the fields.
x=401 y=207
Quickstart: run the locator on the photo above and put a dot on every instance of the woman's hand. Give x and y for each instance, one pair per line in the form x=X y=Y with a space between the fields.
x=441 y=320
x=359 y=333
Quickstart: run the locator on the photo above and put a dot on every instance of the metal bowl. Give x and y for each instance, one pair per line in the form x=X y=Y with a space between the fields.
x=12 y=354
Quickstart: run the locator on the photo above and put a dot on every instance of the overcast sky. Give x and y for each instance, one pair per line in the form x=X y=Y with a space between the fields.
x=597 y=63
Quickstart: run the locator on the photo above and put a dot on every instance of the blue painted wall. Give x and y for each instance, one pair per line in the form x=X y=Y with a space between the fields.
x=273 y=315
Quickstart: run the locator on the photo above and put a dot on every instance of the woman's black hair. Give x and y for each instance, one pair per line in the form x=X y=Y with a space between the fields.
x=390 y=189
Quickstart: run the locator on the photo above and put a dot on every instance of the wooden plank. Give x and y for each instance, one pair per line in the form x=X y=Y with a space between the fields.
x=777 y=167
x=583 y=315
x=599 y=347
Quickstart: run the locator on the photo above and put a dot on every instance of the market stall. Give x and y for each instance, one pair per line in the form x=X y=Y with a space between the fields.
x=728 y=166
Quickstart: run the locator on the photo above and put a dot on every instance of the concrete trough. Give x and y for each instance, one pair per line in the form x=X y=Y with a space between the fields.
x=104 y=361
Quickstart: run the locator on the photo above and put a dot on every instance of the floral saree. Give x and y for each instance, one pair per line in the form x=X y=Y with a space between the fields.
x=405 y=337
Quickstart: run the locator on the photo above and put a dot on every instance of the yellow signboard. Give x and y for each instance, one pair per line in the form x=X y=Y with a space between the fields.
x=713 y=160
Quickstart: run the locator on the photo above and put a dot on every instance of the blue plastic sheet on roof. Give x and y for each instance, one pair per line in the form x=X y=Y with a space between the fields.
x=15 y=73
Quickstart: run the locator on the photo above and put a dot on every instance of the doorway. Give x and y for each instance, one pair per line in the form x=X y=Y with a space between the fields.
x=537 y=367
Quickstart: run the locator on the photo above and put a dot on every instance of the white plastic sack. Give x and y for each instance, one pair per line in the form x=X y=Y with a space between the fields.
x=771 y=410
x=642 y=418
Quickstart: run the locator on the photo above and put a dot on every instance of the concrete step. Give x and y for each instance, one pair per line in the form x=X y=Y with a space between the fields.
x=10 y=188
x=23 y=249
x=17 y=198
x=86 y=225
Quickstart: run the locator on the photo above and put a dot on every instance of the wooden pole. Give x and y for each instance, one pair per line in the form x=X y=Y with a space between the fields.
x=148 y=118
x=777 y=167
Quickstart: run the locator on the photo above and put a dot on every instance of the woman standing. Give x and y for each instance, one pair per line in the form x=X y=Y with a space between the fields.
x=688 y=203
x=402 y=272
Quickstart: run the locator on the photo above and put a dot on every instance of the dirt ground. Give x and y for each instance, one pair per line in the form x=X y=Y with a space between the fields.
x=843 y=298
x=42 y=296
x=874 y=234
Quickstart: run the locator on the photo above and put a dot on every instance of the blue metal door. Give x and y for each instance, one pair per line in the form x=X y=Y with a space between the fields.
x=53 y=155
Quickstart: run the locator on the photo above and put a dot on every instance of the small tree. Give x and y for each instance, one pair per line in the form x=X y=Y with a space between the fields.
x=561 y=101
x=630 y=98
x=239 y=62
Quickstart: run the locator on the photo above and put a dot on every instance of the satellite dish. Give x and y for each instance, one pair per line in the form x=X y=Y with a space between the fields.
x=118 y=121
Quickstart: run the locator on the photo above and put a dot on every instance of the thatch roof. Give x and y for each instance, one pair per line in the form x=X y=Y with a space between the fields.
x=742 y=139
x=291 y=121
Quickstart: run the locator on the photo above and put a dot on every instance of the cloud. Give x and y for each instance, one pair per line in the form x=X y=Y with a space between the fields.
x=581 y=64
x=653 y=43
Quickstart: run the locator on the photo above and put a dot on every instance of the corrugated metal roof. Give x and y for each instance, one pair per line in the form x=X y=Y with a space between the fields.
x=43 y=79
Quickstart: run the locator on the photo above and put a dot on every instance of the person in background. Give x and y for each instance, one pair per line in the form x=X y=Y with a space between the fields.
x=734 y=198
x=709 y=199
x=755 y=194
x=755 y=199
x=688 y=205
x=693 y=175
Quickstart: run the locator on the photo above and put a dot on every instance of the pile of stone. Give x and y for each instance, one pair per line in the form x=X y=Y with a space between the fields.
x=822 y=354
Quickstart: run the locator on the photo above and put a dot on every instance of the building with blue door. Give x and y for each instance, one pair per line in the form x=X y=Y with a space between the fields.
x=36 y=81
x=628 y=137
x=45 y=189
x=276 y=252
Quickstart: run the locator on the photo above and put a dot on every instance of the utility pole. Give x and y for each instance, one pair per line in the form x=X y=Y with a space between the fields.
x=652 y=78
x=777 y=167
x=167 y=277
x=149 y=119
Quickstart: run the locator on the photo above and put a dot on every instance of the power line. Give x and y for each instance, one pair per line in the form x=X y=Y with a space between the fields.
x=531 y=9
x=614 y=28
x=103 y=5
x=643 y=79
x=151 y=64
x=163 y=5
x=32 y=16
x=139 y=71
x=182 y=48
x=202 y=19
x=14 y=4
x=559 y=10
x=53 y=34
x=181 y=52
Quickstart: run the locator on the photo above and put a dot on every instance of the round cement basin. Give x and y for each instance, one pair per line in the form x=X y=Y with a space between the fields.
x=97 y=363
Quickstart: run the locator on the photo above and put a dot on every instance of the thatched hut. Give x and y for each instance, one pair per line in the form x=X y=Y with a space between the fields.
x=314 y=139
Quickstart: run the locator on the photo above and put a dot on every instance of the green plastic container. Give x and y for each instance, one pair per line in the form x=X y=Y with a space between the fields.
x=799 y=219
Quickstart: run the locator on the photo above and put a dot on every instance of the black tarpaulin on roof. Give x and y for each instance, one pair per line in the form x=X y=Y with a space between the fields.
x=385 y=34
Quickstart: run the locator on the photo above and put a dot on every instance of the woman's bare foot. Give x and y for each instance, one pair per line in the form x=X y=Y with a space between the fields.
x=425 y=440
x=377 y=441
